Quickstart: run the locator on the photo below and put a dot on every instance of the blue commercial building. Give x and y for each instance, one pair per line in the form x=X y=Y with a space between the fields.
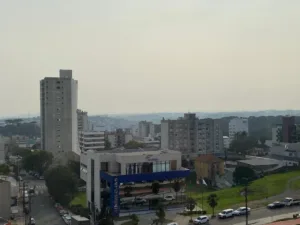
x=112 y=168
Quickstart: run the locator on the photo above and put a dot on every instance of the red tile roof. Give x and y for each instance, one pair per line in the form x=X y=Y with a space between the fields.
x=288 y=222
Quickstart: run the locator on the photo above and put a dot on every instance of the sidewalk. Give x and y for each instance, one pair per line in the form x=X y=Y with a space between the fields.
x=270 y=219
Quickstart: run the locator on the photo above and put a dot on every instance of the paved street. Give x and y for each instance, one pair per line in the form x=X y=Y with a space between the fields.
x=42 y=208
x=255 y=214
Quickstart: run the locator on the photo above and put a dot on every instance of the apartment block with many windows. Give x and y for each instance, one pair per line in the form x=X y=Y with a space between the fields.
x=91 y=140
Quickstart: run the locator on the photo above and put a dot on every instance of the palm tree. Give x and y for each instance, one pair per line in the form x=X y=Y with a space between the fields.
x=212 y=201
x=191 y=204
x=155 y=187
x=176 y=187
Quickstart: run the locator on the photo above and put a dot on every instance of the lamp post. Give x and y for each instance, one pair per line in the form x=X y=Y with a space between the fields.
x=246 y=198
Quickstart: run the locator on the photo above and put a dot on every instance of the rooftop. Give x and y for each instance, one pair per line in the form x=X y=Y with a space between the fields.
x=258 y=161
x=153 y=151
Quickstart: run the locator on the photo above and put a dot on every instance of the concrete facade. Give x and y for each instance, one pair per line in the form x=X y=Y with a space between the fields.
x=91 y=140
x=83 y=120
x=118 y=138
x=190 y=135
x=5 y=199
x=237 y=125
x=124 y=162
x=58 y=102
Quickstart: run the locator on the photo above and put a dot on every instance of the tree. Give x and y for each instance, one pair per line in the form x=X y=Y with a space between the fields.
x=133 y=145
x=191 y=204
x=107 y=218
x=74 y=166
x=107 y=144
x=160 y=213
x=262 y=141
x=243 y=143
x=241 y=173
x=155 y=187
x=212 y=201
x=184 y=163
x=134 y=219
x=61 y=184
x=4 y=169
x=176 y=187
x=127 y=191
x=38 y=161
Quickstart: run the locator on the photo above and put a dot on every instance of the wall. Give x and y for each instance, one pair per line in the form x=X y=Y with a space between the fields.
x=165 y=134
x=5 y=199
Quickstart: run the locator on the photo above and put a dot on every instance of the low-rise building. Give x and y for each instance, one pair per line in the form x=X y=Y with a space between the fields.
x=208 y=167
x=91 y=140
x=118 y=138
x=110 y=169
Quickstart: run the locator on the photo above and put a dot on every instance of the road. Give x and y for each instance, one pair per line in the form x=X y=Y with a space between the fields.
x=42 y=208
x=255 y=214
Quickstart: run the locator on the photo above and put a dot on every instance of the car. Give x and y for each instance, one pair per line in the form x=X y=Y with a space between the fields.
x=169 y=198
x=63 y=212
x=32 y=221
x=276 y=205
x=41 y=177
x=241 y=211
x=173 y=223
x=226 y=214
x=139 y=200
x=201 y=220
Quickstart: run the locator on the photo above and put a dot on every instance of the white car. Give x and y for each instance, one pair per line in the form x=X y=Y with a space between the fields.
x=241 y=211
x=32 y=221
x=226 y=213
x=169 y=197
x=139 y=200
x=201 y=220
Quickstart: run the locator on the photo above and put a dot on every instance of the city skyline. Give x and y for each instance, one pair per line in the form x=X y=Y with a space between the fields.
x=144 y=57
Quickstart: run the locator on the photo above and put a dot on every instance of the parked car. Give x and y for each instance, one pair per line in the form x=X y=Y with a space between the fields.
x=139 y=200
x=276 y=205
x=169 y=198
x=226 y=214
x=63 y=212
x=290 y=201
x=32 y=221
x=241 y=211
x=201 y=220
x=67 y=219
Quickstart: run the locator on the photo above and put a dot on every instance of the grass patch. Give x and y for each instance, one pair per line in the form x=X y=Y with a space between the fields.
x=260 y=189
x=130 y=222
x=295 y=185
x=79 y=199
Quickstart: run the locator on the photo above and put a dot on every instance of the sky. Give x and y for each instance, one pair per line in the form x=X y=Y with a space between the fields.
x=133 y=56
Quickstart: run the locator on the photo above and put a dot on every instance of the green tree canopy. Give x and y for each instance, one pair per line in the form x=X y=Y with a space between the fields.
x=133 y=145
x=212 y=201
x=4 y=169
x=37 y=160
x=243 y=143
x=107 y=144
x=155 y=187
x=134 y=219
x=61 y=183
x=242 y=174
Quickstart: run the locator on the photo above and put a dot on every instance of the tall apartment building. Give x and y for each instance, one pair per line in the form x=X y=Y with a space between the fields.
x=188 y=134
x=144 y=129
x=91 y=140
x=237 y=125
x=118 y=138
x=58 y=102
x=210 y=136
x=83 y=120
x=287 y=132
x=288 y=129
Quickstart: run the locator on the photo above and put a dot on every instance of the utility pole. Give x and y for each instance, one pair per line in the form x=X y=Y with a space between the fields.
x=246 y=199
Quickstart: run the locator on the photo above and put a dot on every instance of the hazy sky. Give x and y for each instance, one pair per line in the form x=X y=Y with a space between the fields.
x=153 y=56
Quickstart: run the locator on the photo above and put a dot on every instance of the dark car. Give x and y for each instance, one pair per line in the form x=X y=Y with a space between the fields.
x=276 y=205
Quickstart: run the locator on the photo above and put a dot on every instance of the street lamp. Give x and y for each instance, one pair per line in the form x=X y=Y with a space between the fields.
x=246 y=183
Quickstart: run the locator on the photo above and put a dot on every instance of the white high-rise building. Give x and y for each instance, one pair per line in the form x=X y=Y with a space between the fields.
x=237 y=125
x=83 y=120
x=59 y=129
